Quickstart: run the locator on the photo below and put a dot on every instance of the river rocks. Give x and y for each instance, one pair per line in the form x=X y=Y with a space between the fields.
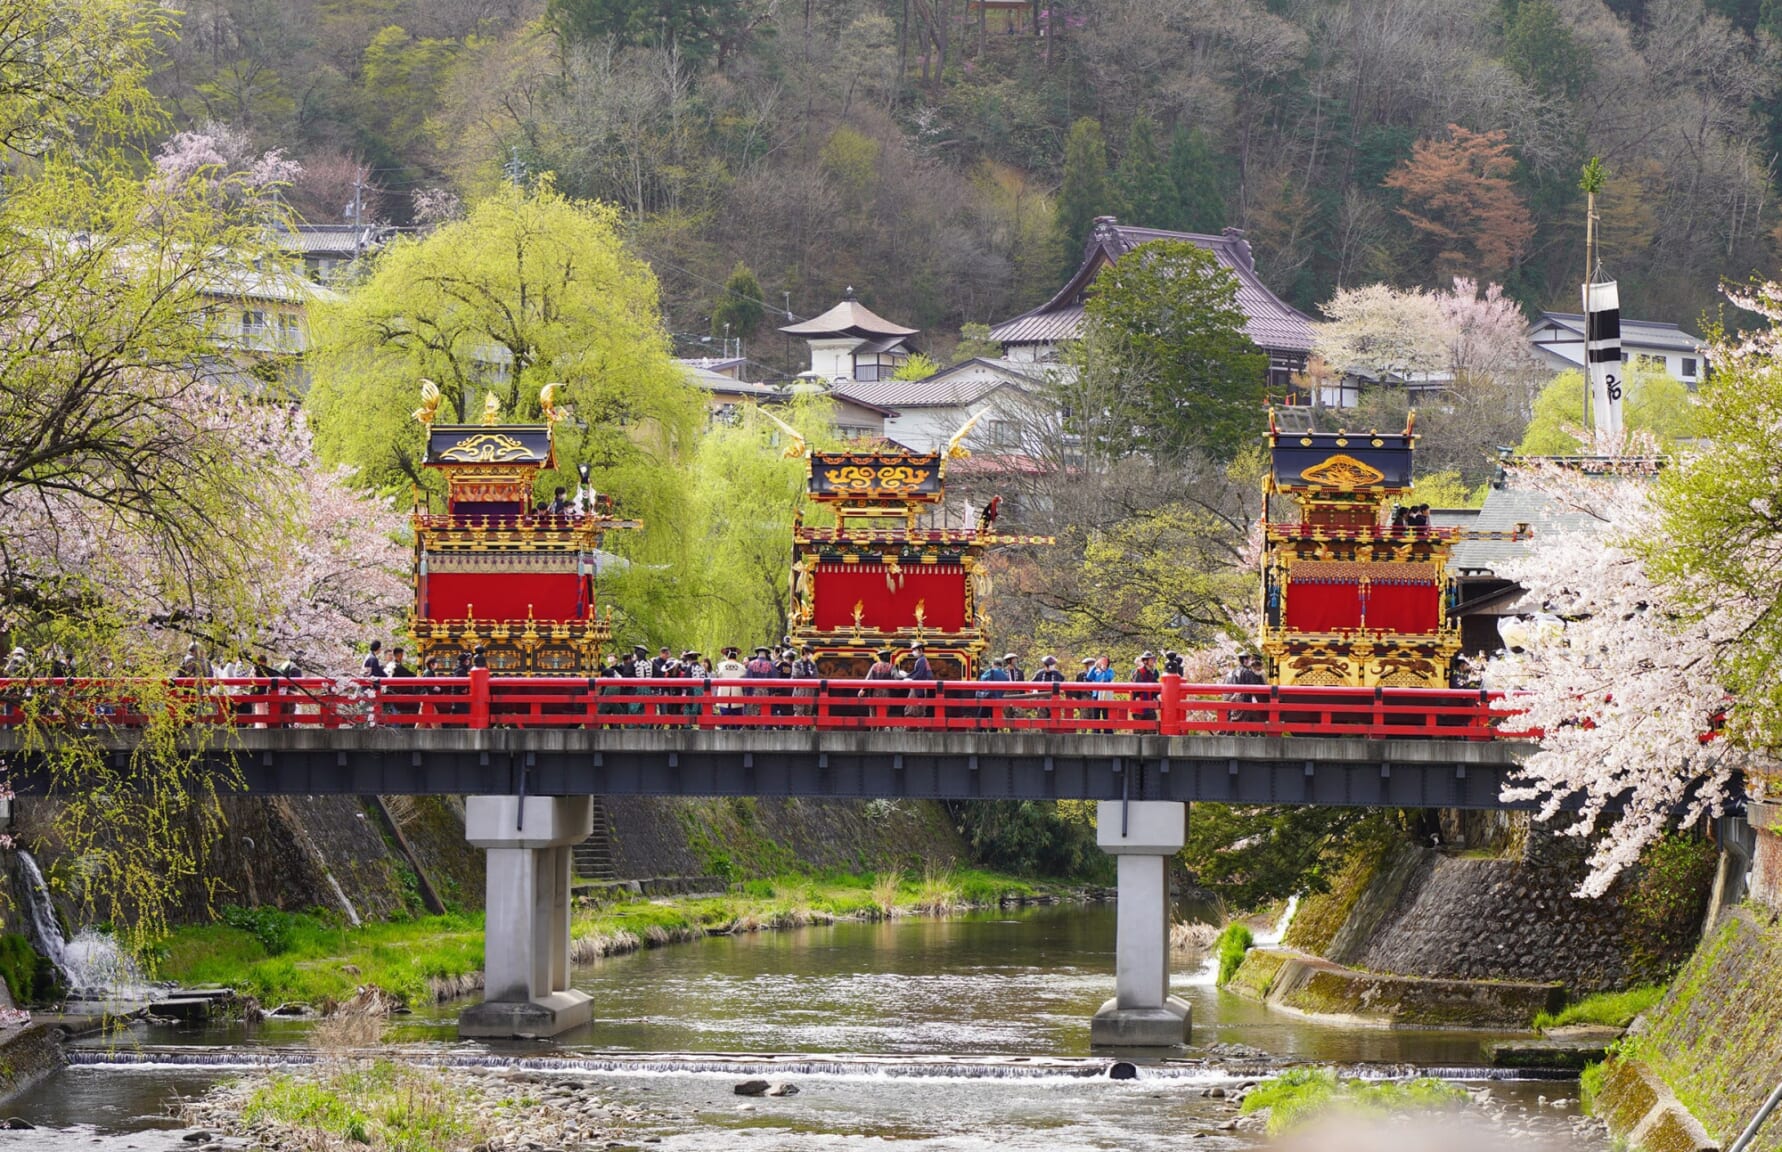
x=508 y=1111
x=14 y=1124
x=783 y=1090
x=753 y=1088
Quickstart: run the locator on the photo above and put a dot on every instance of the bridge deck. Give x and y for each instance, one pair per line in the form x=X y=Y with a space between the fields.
x=1165 y=741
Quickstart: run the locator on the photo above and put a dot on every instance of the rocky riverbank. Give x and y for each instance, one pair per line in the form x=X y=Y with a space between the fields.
x=370 y=1104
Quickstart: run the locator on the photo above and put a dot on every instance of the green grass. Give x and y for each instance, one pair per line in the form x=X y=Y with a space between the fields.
x=312 y=958
x=1302 y=1094
x=1612 y=1009
x=383 y=1105
x=1231 y=945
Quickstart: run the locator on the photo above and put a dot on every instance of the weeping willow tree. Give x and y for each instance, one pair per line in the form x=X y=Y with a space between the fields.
x=730 y=580
x=145 y=501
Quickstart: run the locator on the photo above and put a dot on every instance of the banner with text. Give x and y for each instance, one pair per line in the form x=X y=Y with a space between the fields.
x=1602 y=354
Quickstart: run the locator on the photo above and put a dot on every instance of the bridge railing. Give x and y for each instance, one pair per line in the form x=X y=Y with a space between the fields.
x=481 y=700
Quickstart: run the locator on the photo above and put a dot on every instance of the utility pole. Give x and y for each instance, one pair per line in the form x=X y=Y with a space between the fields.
x=358 y=214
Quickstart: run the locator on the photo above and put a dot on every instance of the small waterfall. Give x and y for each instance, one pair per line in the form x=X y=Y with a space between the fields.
x=1274 y=935
x=91 y=964
x=46 y=932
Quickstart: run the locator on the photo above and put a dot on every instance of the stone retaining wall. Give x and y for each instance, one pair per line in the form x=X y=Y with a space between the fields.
x=1315 y=987
x=27 y=1055
x=1426 y=913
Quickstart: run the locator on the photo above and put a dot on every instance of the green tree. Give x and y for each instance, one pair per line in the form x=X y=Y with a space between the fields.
x=739 y=311
x=400 y=79
x=1253 y=856
x=737 y=536
x=1147 y=196
x=975 y=340
x=1720 y=528
x=1655 y=402
x=529 y=288
x=917 y=367
x=1164 y=322
x=701 y=29
x=1194 y=174
x=1086 y=191
x=1540 y=46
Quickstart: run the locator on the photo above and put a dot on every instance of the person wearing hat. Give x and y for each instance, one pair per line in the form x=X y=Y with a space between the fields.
x=918 y=671
x=1145 y=673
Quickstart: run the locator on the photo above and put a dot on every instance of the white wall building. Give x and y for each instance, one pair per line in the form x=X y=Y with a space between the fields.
x=1558 y=339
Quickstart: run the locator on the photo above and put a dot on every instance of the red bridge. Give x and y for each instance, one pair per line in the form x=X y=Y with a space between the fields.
x=543 y=736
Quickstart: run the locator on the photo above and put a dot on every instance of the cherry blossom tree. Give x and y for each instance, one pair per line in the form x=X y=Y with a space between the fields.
x=216 y=152
x=1621 y=676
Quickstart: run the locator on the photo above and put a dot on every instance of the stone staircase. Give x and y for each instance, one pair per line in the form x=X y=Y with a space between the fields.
x=594 y=856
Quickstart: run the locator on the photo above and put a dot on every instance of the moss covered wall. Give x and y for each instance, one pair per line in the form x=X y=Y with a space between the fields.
x=1716 y=1037
x=1414 y=911
x=747 y=836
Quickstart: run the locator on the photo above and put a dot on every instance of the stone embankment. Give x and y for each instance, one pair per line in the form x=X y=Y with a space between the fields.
x=1425 y=937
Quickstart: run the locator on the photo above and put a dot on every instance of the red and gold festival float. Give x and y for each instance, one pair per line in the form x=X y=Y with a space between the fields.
x=496 y=574
x=1352 y=595
x=879 y=579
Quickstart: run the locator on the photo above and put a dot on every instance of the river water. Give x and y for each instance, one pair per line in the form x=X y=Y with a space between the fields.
x=962 y=1034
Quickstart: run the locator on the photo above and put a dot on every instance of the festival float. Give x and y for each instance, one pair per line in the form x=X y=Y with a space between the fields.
x=491 y=573
x=880 y=579
x=1351 y=598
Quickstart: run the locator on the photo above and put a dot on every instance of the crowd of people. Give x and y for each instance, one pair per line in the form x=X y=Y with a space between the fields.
x=787 y=661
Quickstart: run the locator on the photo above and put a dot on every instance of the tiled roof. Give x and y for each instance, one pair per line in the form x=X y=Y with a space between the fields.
x=956 y=386
x=1504 y=509
x=1270 y=321
x=1638 y=333
x=849 y=318
x=334 y=239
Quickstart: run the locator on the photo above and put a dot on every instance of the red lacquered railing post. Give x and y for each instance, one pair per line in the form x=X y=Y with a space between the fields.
x=1170 y=715
x=479 y=697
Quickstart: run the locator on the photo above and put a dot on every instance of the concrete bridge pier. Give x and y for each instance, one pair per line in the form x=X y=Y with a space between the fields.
x=1143 y=835
x=526 y=989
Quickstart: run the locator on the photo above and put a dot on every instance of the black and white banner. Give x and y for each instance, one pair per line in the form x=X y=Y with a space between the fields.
x=1602 y=354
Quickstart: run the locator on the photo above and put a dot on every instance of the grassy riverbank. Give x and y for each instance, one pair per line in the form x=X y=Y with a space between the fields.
x=312 y=958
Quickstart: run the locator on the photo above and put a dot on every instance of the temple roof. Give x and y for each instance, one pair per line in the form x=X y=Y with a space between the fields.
x=1271 y=322
x=849 y=318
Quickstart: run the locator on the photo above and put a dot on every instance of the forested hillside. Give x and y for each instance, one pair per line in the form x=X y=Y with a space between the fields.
x=917 y=149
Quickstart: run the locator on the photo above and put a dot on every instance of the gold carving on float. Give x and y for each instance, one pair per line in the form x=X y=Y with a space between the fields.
x=1343 y=471
x=430 y=397
x=487 y=448
x=891 y=478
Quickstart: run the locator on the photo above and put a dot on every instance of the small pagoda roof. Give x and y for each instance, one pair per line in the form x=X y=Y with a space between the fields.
x=456 y=445
x=849 y=318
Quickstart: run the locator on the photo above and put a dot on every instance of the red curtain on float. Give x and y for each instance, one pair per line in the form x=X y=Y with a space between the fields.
x=1404 y=606
x=888 y=600
x=504 y=595
x=1323 y=605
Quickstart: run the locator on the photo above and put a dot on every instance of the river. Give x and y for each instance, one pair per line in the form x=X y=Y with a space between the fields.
x=962 y=1034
